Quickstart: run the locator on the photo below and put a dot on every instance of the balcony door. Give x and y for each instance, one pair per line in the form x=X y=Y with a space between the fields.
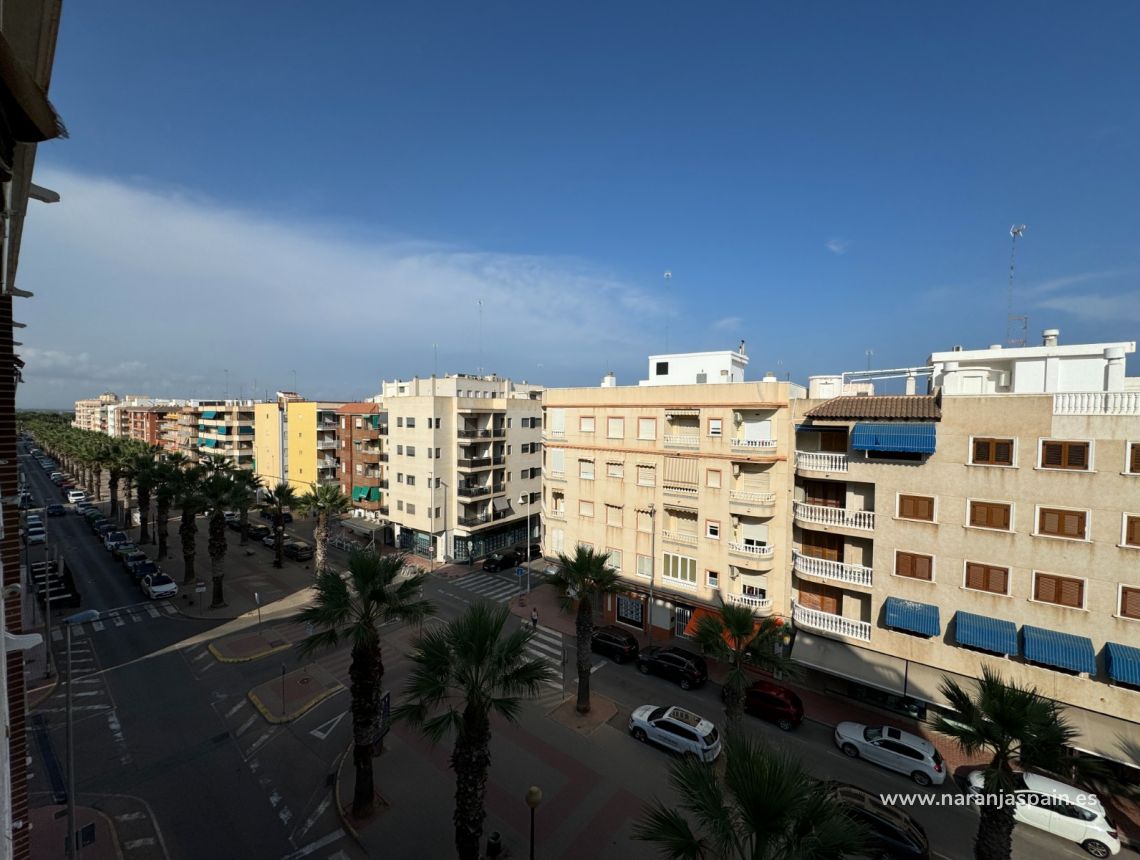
x=823 y=598
x=829 y=494
x=821 y=545
x=833 y=441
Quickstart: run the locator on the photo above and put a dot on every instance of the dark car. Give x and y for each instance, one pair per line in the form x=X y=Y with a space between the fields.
x=297 y=550
x=773 y=703
x=133 y=558
x=889 y=832
x=144 y=568
x=615 y=643
x=256 y=531
x=104 y=528
x=267 y=514
x=55 y=510
x=500 y=560
x=525 y=553
x=674 y=664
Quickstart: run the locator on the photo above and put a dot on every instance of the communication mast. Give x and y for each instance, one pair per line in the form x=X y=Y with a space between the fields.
x=1012 y=319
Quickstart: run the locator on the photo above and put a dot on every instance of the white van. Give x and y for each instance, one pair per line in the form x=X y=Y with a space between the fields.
x=76 y=496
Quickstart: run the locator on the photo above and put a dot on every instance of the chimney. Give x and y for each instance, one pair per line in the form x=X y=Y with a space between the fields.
x=1049 y=336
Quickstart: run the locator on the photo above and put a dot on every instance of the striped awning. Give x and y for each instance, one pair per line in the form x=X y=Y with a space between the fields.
x=373 y=494
x=209 y=443
x=359 y=493
x=1122 y=662
x=988 y=634
x=904 y=438
x=921 y=618
x=1059 y=650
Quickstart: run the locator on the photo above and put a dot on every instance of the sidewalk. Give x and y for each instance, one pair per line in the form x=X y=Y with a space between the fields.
x=98 y=840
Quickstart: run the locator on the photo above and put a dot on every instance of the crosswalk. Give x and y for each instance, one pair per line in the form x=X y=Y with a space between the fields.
x=497 y=589
x=546 y=645
x=120 y=617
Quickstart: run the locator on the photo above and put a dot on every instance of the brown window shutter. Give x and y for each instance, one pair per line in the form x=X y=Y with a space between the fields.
x=1050 y=522
x=1073 y=524
x=926 y=508
x=999 y=517
x=981 y=450
x=975 y=576
x=904 y=564
x=1072 y=592
x=1130 y=602
x=906 y=507
x=997 y=580
x=1134 y=459
x=1045 y=588
x=922 y=567
x=1052 y=454
x=1003 y=453
x=979 y=514
x=1078 y=455
x=1132 y=531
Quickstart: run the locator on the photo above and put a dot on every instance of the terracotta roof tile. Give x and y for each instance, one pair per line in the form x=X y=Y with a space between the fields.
x=359 y=409
x=914 y=407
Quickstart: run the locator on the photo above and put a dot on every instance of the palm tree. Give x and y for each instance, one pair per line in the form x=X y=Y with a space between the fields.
x=351 y=608
x=169 y=477
x=276 y=501
x=737 y=639
x=464 y=671
x=218 y=494
x=765 y=806
x=246 y=487
x=584 y=577
x=1011 y=724
x=190 y=502
x=146 y=477
x=118 y=455
x=325 y=502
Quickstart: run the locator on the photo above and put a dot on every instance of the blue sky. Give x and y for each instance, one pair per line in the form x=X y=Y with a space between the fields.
x=259 y=188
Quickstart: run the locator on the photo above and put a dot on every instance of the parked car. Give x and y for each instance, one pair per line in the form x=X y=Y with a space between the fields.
x=773 y=703
x=102 y=527
x=615 y=643
x=890 y=831
x=56 y=477
x=270 y=540
x=257 y=531
x=113 y=538
x=158 y=585
x=133 y=558
x=68 y=484
x=894 y=749
x=526 y=553
x=143 y=569
x=500 y=560
x=298 y=550
x=674 y=664
x=36 y=535
x=676 y=729
x=231 y=517
x=33 y=520
x=122 y=550
x=74 y=496
x=1054 y=807
x=267 y=514
x=55 y=509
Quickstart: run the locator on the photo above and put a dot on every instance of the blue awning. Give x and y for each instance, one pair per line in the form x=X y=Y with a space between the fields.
x=209 y=415
x=1060 y=650
x=1122 y=663
x=989 y=634
x=916 y=617
x=911 y=438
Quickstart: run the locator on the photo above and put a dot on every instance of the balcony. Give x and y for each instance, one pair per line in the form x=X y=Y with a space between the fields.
x=554 y=435
x=837 y=571
x=759 y=446
x=682 y=440
x=758 y=605
x=474 y=463
x=326 y=444
x=834 y=625
x=477 y=492
x=481 y=519
x=490 y=433
x=820 y=461
x=551 y=475
x=760 y=553
x=683 y=492
x=842 y=517
x=326 y=463
x=363 y=455
x=683 y=538
x=746 y=499
x=1097 y=403
x=555 y=514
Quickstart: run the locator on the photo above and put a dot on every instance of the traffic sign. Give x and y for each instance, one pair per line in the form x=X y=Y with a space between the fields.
x=200 y=587
x=520 y=571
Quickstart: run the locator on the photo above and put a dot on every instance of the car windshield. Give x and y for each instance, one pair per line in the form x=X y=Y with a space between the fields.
x=656 y=714
x=162 y=579
x=872 y=733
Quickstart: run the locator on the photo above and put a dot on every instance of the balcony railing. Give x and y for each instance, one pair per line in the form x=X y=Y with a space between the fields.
x=481 y=519
x=675 y=490
x=759 y=605
x=553 y=475
x=555 y=514
x=825 y=516
x=826 y=622
x=473 y=463
x=490 y=433
x=326 y=444
x=685 y=440
x=744 y=497
x=680 y=537
x=851 y=574
x=751 y=550
x=754 y=444
x=326 y=463
x=554 y=434
x=819 y=461
x=475 y=492
x=1097 y=403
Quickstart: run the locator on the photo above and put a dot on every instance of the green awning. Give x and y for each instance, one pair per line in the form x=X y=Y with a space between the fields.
x=209 y=443
x=209 y=415
x=374 y=494
x=374 y=420
x=245 y=431
x=359 y=494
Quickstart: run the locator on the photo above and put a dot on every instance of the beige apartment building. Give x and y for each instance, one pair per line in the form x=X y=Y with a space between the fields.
x=683 y=481
x=464 y=464
x=995 y=521
x=91 y=413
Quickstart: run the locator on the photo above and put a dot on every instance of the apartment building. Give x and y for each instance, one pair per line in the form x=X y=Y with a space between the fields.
x=91 y=413
x=464 y=465
x=362 y=455
x=994 y=521
x=296 y=441
x=168 y=428
x=683 y=480
x=226 y=428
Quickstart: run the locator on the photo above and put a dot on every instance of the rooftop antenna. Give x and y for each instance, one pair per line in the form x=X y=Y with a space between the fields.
x=1011 y=318
x=480 y=336
x=668 y=276
x=870 y=353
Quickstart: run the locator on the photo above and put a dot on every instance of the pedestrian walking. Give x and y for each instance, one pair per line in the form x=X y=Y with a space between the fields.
x=534 y=619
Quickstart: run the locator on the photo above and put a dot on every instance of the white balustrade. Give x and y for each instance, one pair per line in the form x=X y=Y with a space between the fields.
x=759 y=605
x=821 y=461
x=764 y=552
x=746 y=498
x=675 y=490
x=755 y=444
x=1097 y=403
x=680 y=537
x=826 y=622
x=825 y=516
x=686 y=440
x=852 y=574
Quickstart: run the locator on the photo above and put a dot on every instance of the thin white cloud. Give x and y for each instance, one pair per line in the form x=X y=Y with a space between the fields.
x=838 y=246
x=728 y=324
x=1120 y=308
x=1064 y=281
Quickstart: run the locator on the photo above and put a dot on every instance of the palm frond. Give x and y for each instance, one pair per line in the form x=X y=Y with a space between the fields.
x=672 y=833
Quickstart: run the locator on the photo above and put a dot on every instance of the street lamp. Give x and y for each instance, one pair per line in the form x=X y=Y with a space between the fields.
x=69 y=622
x=526 y=548
x=652 y=509
x=533 y=799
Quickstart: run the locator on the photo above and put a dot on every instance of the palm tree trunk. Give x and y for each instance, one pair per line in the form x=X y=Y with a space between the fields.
x=244 y=539
x=144 y=514
x=995 y=833
x=217 y=549
x=113 y=485
x=188 y=532
x=321 y=539
x=584 y=626
x=163 y=521
x=471 y=760
x=279 y=543
x=365 y=674
x=734 y=695
x=127 y=503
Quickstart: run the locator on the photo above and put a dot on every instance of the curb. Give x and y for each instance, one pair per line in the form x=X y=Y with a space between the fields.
x=34 y=697
x=110 y=826
x=336 y=796
x=277 y=719
x=221 y=659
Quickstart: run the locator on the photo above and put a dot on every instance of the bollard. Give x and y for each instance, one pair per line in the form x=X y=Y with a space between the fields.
x=494 y=845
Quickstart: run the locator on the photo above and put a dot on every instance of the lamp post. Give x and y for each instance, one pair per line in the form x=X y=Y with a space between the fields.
x=69 y=622
x=533 y=799
x=652 y=565
x=431 y=520
x=526 y=547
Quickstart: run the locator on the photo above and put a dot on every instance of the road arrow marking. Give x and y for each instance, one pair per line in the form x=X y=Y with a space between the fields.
x=325 y=729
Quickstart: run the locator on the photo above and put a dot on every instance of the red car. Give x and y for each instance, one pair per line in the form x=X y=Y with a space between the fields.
x=773 y=703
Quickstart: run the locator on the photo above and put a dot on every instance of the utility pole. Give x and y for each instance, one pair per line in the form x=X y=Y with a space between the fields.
x=1016 y=231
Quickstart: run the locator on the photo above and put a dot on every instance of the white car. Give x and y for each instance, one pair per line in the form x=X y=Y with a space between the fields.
x=36 y=534
x=892 y=748
x=676 y=729
x=74 y=496
x=158 y=585
x=1060 y=809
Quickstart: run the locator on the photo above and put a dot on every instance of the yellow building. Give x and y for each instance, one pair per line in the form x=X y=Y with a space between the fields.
x=295 y=442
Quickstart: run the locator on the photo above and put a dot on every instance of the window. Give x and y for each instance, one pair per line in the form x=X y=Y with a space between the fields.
x=429 y=453
x=586 y=424
x=662 y=368
x=987 y=577
x=437 y=453
x=399 y=477
x=993 y=452
x=399 y=504
x=411 y=450
x=680 y=568
x=358 y=423
x=614 y=559
x=411 y=508
x=585 y=544
x=400 y=450
x=586 y=470
x=1061 y=590
x=613 y=515
x=712 y=578
x=1056 y=522
x=585 y=509
x=615 y=428
x=715 y=426
x=990 y=515
x=1133 y=465
x=712 y=478
x=1131 y=531
x=712 y=529
x=647 y=430
x=437 y=513
x=914 y=566
x=557 y=540
x=359 y=469
x=646 y=476
x=411 y=480
x=916 y=508
x=644 y=521
x=399 y=421
x=1129 y=602
x=615 y=470
x=1065 y=455
x=411 y=423
x=645 y=566
x=509 y=423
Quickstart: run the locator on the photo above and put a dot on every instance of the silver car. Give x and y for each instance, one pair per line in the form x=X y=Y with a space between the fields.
x=677 y=729
x=892 y=748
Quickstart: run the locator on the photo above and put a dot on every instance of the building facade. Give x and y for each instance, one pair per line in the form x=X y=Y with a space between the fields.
x=295 y=441
x=91 y=413
x=362 y=456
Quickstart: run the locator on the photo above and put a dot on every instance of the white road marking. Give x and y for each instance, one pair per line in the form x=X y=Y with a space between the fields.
x=126 y=816
x=285 y=815
x=145 y=842
x=245 y=726
x=152 y=612
x=312 y=819
x=325 y=729
x=78 y=632
x=201 y=655
x=98 y=625
x=236 y=708
x=257 y=744
x=118 y=621
x=170 y=610
x=56 y=636
x=315 y=846
x=90 y=693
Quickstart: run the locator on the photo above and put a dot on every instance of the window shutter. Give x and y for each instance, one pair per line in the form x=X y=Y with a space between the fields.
x=1072 y=593
x=906 y=507
x=979 y=514
x=1050 y=522
x=1003 y=452
x=1073 y=524
x=1078 y=455
x=1046 y=588
x=998 y=577
x=904 y=564
x=1132 y=531
x=975 y=576
x=1134 y=459
x=981 y=450
x=922 y=567
x=1052 y=454
x=1130 y=602
x=999 y=516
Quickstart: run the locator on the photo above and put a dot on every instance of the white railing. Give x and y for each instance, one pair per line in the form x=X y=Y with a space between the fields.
x=1097 y=403
x=673 y=489
x=679 y=583
x=852 y=574
x=680 y=537
x=826 y=516
x=750 y=550
x=557 y=476
x=755 y=444
x=746 y=498
x=756 y=604
x=326 y=464
x=686 y=440
x=556 y=514
x=325 y=444
x=818 y=461
x=553 y=434
x=825 y=622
